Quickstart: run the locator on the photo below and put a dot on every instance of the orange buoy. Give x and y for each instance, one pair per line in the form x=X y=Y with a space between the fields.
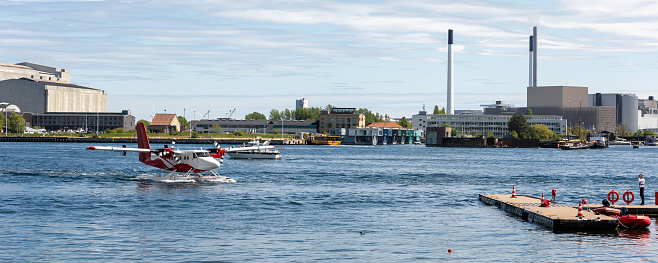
x=629 y=197
x=450 y=251
x=613 y=196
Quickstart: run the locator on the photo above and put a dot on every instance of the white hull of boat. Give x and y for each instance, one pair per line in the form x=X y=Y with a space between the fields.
x=619 y=143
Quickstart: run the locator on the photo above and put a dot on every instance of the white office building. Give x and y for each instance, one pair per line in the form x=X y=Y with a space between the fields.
x=483 y=124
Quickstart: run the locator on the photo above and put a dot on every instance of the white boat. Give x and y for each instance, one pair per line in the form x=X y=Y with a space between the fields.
x=254 y=150
x=619 y=141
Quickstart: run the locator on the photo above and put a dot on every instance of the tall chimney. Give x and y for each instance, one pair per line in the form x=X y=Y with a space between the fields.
x=534 y=57
x=449 y=109
x=530 y=65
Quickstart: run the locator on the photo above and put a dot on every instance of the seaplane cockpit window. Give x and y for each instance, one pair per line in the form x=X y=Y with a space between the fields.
x=202 y=154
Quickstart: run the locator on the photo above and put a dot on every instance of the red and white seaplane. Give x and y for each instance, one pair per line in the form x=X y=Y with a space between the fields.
x=188 y=163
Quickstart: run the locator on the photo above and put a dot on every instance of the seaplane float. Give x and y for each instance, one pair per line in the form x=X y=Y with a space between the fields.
x=184 y=166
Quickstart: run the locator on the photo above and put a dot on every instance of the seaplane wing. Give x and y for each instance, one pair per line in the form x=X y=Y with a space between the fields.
x=119 y=149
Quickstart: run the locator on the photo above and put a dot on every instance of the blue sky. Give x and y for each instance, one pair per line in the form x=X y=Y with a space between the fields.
x=387 y=56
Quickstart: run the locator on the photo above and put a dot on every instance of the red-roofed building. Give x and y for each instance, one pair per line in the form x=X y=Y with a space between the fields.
x=389 y=125
x=164 y=123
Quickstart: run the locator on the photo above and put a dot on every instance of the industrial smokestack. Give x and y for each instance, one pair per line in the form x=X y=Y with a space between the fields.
x=449 y=109
x=530 y=65
x=534 y=56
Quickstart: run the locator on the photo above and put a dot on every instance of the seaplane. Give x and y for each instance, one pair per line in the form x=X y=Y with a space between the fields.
x=184 y=166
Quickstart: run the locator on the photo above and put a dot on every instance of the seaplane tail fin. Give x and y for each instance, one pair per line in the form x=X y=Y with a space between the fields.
x=142 y=138
x=143 y=141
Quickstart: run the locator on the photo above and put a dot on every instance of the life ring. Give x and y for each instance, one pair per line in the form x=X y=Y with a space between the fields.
x=613 y=196
x=629 y=197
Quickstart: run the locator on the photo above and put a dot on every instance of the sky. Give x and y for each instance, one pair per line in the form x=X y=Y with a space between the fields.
x=204 y=58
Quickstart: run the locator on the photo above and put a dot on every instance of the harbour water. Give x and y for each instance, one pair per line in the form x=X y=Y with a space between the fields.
x=62 y=203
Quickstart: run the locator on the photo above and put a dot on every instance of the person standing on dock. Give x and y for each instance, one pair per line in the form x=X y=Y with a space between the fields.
x=641 y=182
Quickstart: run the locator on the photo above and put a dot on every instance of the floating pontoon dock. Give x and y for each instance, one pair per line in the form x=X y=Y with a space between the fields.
x=559 y=217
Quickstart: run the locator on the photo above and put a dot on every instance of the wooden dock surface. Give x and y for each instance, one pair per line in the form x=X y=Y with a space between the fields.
x=559 y=217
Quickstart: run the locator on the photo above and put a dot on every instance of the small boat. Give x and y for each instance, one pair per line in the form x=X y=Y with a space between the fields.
x=633 y=221
x=628 y=221
x=609 y=211
x=254 y=150
x=619 y=141
x=322 y=139
x=574 y=146
x=636 y=144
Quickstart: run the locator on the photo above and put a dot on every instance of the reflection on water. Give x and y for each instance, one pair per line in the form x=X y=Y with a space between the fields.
x=642 y=234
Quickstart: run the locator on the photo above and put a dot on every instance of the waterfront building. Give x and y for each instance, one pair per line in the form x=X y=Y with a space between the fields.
x=557 y=96
x=293 y=126
x=340 y=118
x=625 y=104
x=40 y=89
x=374 y=136
x=255 y=126
x=483 y=124
x=81 y=121
x=228 y=125
x=647 y=115
x=164 y=123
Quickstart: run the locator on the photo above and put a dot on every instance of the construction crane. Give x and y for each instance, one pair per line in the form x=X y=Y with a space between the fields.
x=230 y=113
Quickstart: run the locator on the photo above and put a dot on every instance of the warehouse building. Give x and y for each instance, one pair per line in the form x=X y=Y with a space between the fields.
x=42 y=89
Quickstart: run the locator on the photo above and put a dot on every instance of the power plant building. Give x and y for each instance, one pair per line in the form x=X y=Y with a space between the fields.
x=41 y=89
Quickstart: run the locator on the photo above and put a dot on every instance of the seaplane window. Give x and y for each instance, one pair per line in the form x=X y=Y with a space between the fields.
x=203 y=154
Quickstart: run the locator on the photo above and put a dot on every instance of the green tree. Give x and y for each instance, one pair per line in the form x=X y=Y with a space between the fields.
x=490 y=134
x=3 y=121
x=287 y=114
x=16 y=123
x=274 y=115
x=146 y=123
x=514 y=135
x=404 y=122
x=542 y=132
x=443 y=110
x=528 y=111
x=622 y=131
x=312 y=113
x=238 y=133
x=436 y=109
x=255 y=116
x=519 y=124
x=216 y=128
x=276 y=132
x=183 y=122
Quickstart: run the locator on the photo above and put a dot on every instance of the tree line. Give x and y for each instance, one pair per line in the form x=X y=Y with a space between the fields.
x=312 y=114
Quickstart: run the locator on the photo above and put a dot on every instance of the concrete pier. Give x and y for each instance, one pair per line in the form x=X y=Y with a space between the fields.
x=559 y=217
